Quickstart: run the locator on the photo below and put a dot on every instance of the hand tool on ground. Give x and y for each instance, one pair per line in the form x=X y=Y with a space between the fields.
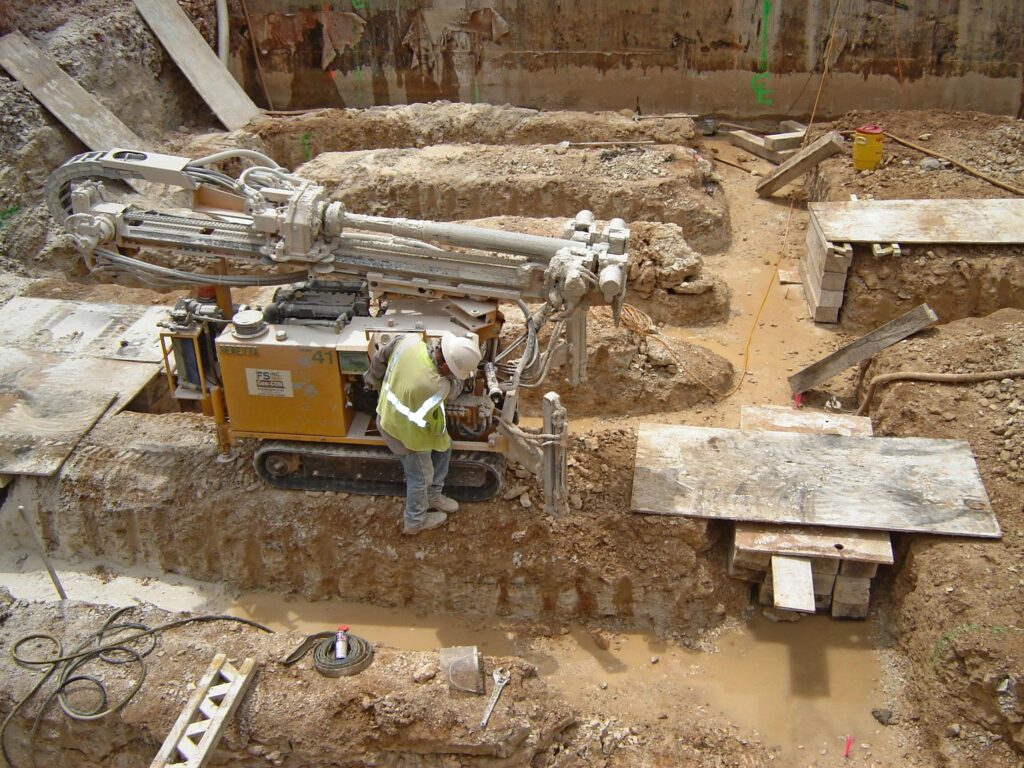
x=501 y=678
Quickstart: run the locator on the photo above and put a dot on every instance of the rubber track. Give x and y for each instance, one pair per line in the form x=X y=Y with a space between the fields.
x=492 y=464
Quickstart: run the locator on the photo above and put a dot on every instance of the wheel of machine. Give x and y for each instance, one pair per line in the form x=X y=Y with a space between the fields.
x=280 y=465
x=370 y=470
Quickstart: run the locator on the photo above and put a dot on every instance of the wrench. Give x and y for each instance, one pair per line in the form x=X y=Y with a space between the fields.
x=501 y=678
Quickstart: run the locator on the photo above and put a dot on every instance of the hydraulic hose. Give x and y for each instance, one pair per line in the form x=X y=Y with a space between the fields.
x=940 y=378
x=94 y=647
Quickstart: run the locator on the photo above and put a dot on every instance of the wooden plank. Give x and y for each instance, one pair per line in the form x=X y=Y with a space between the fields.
x=838 y=258
x=897 y=484
x=752 y=539
x=792 y=125
x=788 y=140
x=792 y=584
x=820 y=313
x=199 y=63
x=801 y=163
x=96 y=126
x=896 y=330
x=776 y=418
x=995 y=221
x=823 y=263
x=755 y=146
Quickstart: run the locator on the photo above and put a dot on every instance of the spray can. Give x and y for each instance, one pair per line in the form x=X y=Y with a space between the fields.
x=341 y=642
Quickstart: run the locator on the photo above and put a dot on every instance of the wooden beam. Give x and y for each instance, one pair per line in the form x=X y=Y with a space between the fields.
x=781 y=141
x=792 y=125
x=199 y=63
x=801 y=163
x=910 y=484
x=95 y=125
x=896 y=330
x=755 y=146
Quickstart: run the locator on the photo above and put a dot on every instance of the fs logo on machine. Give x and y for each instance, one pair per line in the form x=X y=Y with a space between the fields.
x=269 y=383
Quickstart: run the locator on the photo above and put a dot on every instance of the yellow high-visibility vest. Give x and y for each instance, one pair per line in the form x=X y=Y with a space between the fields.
x=411 y=403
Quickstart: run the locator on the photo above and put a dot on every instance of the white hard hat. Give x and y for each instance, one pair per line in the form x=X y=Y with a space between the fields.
x=461 y=354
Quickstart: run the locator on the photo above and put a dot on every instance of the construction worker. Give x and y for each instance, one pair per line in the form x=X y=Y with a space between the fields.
x=415 y=378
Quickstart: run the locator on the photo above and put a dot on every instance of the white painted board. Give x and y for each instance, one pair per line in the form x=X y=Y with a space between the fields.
x=881 y=483
x=921 y=221
x=792 y=584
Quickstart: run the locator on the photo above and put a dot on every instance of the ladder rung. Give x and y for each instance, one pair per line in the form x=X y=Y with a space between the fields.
x=208 y=708
x=218 y=691
x=198 y=728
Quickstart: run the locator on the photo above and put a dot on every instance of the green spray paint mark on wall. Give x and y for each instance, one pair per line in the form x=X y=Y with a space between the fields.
x=6 y=213
x=307 y=147
x=759 y=82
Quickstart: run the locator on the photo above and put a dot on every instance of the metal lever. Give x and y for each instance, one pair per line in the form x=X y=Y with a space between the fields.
x=501 y=678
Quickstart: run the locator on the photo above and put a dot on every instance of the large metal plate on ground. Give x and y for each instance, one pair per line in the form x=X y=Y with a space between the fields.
x=895 y=484
x=999 y=221
x=49 y=401
x=115 y=331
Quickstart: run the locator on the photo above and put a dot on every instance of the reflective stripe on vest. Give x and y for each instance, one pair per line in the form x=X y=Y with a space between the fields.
x=411 y=404
x=416 y=417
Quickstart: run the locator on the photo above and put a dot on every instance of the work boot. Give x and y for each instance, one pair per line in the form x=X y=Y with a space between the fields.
x=443 y=504
x=430 y=520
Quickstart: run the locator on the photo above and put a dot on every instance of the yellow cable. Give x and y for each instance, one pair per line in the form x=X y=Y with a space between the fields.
x=789 y=219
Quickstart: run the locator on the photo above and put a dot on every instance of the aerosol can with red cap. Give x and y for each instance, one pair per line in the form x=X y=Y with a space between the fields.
x=341 y=642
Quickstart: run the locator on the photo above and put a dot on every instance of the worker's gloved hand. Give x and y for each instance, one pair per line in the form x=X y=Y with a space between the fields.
x=370 y=382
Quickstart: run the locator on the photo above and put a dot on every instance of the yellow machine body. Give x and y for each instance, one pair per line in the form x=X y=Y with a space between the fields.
x=286 y=383
x=291 y=382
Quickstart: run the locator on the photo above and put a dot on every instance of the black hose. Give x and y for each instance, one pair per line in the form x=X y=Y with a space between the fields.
x=360 y=654
x=113 y=652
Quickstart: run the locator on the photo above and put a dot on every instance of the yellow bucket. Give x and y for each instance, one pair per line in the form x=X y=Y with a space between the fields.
x=867 y=147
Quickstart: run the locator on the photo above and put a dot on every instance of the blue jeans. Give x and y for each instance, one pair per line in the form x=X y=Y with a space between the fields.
x=425 y=472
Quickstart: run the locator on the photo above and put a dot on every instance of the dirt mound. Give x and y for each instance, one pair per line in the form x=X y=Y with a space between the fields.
x=631 y=373
x=958 y=603
x=956 y=281
x=992 y=144
x=447 y=182
x=297 y=139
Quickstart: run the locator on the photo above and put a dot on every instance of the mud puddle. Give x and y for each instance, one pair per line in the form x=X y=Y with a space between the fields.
x=802 y=687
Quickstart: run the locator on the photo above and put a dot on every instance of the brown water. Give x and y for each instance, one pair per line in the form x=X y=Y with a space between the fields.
x=802 y=687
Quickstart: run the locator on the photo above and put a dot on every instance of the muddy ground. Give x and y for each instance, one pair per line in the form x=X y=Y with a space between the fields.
x=143 y=489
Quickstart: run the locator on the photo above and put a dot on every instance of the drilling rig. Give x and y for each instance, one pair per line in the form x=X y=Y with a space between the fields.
x=289 y=374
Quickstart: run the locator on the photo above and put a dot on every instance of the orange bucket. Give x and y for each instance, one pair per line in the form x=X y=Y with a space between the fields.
x=867 y=147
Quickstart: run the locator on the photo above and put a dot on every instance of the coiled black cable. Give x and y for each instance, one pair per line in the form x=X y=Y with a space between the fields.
x=65 y=667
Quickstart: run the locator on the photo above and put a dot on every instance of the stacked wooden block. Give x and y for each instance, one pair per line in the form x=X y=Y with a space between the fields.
x=823 y=271
x=826 y=570
x=775 y=148
x=840 y=564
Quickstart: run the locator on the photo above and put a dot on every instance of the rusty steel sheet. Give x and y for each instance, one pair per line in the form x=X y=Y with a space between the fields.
x=916 y=485
x=114 y=331
x=48 y=402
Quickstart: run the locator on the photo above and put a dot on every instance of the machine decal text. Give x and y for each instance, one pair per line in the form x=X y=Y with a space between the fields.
x=269 y=383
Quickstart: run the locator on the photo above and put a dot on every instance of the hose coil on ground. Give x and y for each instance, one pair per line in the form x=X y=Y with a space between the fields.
x=360 y=655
